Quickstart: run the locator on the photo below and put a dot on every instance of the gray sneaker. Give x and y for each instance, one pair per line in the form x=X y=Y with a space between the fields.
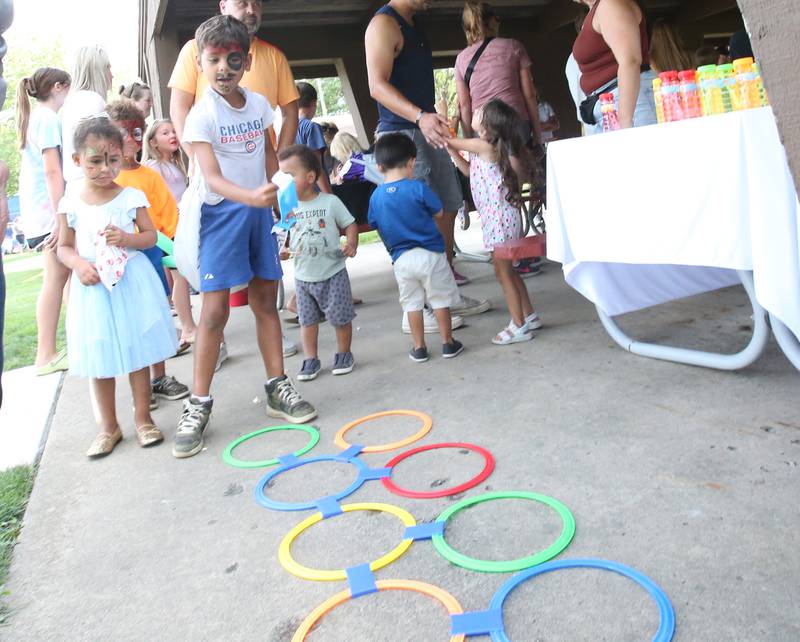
x=284 y=402
x=343 y=363
x=170 y=388
x=470 y=306
x=194 y=420
x=309 y=370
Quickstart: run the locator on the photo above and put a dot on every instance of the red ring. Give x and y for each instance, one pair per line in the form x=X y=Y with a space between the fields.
x=487 y=470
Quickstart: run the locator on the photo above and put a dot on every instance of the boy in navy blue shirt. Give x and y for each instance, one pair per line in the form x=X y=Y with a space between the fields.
x=403 y=211
x=310 y=133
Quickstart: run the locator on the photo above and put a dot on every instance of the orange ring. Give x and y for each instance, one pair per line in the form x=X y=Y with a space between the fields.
x=449 y=602
x=427 y=424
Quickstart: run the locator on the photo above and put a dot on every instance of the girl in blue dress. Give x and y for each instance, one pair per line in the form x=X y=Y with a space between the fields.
x=118 y=321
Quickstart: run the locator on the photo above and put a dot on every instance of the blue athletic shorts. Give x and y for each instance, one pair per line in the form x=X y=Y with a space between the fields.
x=156 y=255
x=236 y=245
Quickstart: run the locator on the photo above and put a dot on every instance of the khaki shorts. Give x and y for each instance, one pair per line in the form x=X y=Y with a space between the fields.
x=424 y=275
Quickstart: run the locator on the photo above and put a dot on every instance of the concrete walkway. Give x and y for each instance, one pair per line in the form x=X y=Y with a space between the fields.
x=688 y=475
x=28 y=406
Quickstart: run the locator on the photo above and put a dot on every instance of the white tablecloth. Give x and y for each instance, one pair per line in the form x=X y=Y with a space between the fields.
x=644 y=216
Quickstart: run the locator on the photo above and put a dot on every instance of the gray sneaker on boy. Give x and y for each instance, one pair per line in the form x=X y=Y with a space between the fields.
x=194 y=420
x=284 y=402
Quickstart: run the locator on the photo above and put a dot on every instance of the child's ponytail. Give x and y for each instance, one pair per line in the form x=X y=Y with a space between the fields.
x=503 y=126
x=23 y=109
x=39 y=86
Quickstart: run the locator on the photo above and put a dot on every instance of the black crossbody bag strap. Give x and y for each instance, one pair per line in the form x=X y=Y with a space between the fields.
x=474 y=61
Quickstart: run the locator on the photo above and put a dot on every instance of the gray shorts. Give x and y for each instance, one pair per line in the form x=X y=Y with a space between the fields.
x=436 y=169
x=331 y=299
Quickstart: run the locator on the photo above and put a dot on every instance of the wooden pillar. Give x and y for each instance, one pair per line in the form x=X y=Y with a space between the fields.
x=773 y=26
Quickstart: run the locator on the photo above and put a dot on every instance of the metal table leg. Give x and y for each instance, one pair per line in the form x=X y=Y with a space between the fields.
x=786 y=340
x=697 y=357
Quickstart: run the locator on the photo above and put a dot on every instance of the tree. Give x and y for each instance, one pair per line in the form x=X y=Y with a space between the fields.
x=20 y=62
x=330 y=96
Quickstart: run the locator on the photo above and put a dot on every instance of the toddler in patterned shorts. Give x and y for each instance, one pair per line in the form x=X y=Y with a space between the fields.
x=322 y=285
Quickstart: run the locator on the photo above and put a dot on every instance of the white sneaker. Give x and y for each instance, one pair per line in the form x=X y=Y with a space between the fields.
x=533 y=321
x=470 y=306
x=512 y=334
x=223 y=356
x=289 y=347
x=431 y=327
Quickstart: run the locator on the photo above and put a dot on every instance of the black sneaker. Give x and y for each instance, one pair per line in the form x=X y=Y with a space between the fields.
x=309 y=370
x=170 y=388
x=451 y=350
x=343 y=363
x=420 y=355
x=194 y=420
x=284 y=402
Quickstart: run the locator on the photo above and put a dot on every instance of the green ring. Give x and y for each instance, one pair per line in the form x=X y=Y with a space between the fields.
x=508 y=566
x=228 y=458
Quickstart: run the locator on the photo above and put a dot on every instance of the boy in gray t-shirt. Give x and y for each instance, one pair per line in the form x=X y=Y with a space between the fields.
x=322 y=285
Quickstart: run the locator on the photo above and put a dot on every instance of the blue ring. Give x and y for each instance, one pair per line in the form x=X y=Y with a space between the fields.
x=265 y=501
x=666 y=628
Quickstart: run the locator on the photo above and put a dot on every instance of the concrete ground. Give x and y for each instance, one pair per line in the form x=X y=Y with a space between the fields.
x=686 y=474
x=28 y=406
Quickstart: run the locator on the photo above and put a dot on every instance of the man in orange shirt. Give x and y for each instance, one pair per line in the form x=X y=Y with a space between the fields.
x=269 y=75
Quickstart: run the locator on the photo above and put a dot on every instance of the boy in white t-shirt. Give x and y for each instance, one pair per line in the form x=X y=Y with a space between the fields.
x=227 y=130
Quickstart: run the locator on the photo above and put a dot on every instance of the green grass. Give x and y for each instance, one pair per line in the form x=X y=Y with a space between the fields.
x=15 y=488
x=365 y=238
x=11 y=258
x=22 y=288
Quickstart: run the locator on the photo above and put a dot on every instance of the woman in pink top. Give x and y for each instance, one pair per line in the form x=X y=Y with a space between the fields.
x=502 y=71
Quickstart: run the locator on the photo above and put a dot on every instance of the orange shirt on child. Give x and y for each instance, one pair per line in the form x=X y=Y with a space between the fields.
x=163 y=209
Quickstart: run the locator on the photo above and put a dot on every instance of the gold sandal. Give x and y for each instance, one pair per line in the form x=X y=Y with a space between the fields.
x=104 y=444
x=149 y=435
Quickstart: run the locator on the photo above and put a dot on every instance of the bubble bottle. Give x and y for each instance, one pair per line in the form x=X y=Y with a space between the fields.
x=670 y=96
x=761 y=89
x=609 y=111
x=730 y=92
x=690 y=95
x=748 y=87
x=710 y=90
x=658 y=99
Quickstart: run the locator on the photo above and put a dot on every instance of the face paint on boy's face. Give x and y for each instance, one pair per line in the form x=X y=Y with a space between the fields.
x=235 y=60
x=223 y=67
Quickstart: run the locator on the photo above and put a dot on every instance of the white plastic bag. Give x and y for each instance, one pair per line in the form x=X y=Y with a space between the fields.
x=187 y=234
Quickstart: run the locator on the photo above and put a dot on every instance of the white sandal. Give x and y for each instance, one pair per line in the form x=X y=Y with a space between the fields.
x=512 y=334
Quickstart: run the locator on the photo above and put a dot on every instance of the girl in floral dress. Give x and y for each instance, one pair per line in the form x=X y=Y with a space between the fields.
x=496 y=159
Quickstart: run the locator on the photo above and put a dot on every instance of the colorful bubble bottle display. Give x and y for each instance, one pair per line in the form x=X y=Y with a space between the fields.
x=710 y=90
x=749 y=92
x=609 y=111
x=658 y=99
x=670 y=96
x=691 y=101
x=730 y=92
x=762 y=90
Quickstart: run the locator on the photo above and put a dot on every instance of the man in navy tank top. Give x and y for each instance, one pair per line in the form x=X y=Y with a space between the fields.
x=400 y=71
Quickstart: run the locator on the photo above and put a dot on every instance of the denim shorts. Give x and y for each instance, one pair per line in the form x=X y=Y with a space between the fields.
x=236 y=245
x=435 y=168
x=645 y=113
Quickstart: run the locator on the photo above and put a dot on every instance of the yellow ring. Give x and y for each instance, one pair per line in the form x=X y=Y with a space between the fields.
x=288 y=562
x=449 y=602
x=427 y=424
